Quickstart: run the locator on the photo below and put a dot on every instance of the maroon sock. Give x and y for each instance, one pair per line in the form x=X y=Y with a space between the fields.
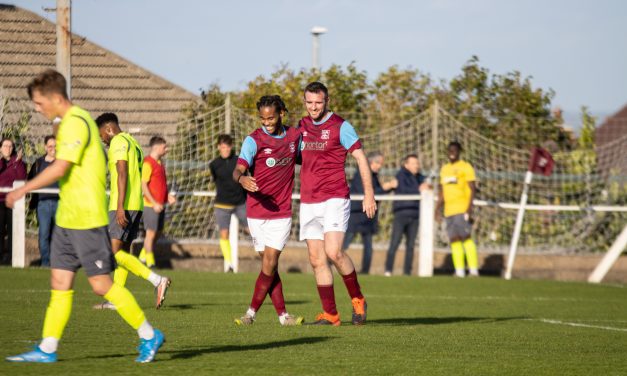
x=352 y=285
x=276 y=294
x=261 y=290
x=327 y=297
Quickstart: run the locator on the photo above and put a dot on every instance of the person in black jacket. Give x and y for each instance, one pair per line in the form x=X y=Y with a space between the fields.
x=406 y=213
x=230 y=196
x=358 y=221
x=45 y=203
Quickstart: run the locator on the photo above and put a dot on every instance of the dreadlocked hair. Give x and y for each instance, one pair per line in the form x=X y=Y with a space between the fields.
x=272 y=101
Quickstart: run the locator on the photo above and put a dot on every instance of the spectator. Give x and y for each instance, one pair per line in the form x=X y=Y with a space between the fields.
x=45 y=203
x=406 y=213
x=11 y=169
x=358 y=221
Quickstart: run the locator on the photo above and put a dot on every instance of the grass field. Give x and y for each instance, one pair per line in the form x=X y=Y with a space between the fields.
x=435 y=326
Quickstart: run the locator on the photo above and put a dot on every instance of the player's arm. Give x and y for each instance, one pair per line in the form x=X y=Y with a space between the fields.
x=247 y=182
x=146 y=175
x=121 y=167
x=245 y=160
x=369 y=204
x=439 y=204
x=49 y=175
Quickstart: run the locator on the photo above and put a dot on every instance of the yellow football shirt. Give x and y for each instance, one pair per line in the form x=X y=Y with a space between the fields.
x=146 y=175
x=82 y=191
x=454 y=178
x=124 y=147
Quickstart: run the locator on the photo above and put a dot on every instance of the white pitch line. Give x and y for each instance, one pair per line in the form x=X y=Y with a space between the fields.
x=558 y=322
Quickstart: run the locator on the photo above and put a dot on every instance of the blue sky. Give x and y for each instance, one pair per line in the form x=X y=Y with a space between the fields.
x=577 y=48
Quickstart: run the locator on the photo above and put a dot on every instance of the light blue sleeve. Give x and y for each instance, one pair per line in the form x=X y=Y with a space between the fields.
x=249 y=149
x=348 y=136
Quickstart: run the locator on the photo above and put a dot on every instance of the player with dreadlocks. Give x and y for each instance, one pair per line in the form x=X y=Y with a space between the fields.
x=269 y=155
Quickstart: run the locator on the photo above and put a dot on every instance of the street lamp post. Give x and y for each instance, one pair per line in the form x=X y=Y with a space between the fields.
x=316 y=31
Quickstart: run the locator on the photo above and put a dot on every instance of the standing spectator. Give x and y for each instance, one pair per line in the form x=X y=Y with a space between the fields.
x=11 y=169
x=406 y=213
x=230 y=197
x=155 y=188
x=359 y=221
x=45 y=203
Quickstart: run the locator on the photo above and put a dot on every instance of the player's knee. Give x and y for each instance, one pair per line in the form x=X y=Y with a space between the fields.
x=317 y=262
x=335 y=256
x=99 y=289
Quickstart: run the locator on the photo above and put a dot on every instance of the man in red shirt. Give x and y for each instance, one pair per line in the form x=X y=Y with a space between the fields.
x=270 y=154
x=155 y=189
x=325 y=200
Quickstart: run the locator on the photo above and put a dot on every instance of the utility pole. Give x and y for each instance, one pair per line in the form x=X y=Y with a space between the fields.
x=316 y=31
x=64 y=42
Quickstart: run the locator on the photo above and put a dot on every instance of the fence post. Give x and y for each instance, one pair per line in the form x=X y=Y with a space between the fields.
x=19 y=228
x=234 y=240
x=227 y=114
x=427 y=231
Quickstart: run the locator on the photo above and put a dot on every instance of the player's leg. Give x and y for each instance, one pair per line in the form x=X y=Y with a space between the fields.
x=457 y=249
x=153 y=223
x=366 y=238
x=411 y=233
x=397 y=235
x=471 y=250
x=223 y=218
x=348 y=239
x=45 y=219
x=336 y=214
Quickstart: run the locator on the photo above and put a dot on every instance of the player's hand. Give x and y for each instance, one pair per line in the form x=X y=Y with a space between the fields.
x=120 y=217
x=13 y=196
x=370 y=206
x=158 y=208
x=249 y=183
x=171 y=199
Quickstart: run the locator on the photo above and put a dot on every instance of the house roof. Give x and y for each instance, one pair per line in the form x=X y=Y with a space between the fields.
x=102 y=81
x=612 y=128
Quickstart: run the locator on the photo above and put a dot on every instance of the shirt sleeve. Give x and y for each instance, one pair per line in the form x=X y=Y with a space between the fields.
x=248 y=152
x=469 y=172
x=348 y=137
x=72 y=140
x=118 y=150
x=146 y=172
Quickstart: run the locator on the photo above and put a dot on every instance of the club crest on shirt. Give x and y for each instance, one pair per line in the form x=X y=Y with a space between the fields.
x=270 y=162
x=267 y=151
x=292 y=147
x=325 y=134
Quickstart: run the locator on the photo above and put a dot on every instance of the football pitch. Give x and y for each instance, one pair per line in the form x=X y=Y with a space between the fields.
x=433 y=326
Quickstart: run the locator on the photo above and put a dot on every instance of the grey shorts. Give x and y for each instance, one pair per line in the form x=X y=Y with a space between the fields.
x=128 y=233
x=458 y=227
x=91 y=249
x=152 y=220
x=223 y=216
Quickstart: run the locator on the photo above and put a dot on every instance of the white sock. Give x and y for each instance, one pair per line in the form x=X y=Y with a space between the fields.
x=146 y=331
x=474 y=272
x=154 y=278
x=460 y=272
x=282 y=318
x=49 y=345
x=251 y=312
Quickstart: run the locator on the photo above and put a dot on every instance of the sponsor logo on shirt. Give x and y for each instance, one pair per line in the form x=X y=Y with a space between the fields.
x=325 y=134
x=450 y=180
x=270 y=162
x=314 y=145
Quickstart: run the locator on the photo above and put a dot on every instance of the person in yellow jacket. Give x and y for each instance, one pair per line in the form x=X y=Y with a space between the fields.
x=457 y=191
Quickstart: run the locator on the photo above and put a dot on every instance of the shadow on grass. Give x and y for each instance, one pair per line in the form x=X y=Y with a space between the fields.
x=191 y=353
x=437 y=320
x=298 y=302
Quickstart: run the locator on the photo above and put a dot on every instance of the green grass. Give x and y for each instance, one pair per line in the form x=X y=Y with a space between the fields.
x=434 y=326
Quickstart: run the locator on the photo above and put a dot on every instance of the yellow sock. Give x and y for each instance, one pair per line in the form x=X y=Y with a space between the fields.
x=126 y=305
x=142 y=255
x=58 y=313
x=132 y=264
x=457 y=251
x=471 y=254
x=150 y=259
x=225 y=247
x=119 y=275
